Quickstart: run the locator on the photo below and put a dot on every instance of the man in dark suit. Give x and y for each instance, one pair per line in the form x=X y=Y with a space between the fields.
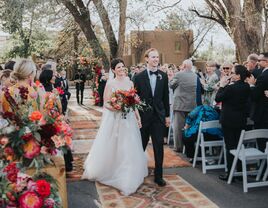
x=102 y=79
x=233 y=117
x=79 y=80
x=152 y=87
x=260 y=116
x=65 y=87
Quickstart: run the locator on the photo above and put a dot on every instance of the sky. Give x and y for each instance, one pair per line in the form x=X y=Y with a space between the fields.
x=219 y=36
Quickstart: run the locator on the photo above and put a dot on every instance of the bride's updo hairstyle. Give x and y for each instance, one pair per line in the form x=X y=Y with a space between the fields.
x=23 y=69
x=116 y=61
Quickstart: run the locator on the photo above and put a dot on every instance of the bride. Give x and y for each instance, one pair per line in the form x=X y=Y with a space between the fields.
x=117 y=158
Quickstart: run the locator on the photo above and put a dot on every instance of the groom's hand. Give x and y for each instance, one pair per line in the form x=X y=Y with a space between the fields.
x=167 y=122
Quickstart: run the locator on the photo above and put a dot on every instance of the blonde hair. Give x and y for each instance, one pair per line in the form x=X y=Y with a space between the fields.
x=146 y=54
x=23 y=69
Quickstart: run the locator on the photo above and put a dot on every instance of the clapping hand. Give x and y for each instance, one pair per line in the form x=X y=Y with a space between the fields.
x=266 y=93
x=224 y=81
x=251 y=80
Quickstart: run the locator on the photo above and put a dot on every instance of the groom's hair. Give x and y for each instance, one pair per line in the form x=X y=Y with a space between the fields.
x=146 y=54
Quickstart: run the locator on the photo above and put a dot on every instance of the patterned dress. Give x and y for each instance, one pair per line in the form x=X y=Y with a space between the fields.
x=210 y=89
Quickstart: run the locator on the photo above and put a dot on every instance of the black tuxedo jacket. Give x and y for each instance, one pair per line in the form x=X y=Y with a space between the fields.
x=259 y=98
x=234 y=104
x=159 y=102
x=82 y=77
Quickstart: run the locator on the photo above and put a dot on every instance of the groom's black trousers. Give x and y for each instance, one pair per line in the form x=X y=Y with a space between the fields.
x=156 y=130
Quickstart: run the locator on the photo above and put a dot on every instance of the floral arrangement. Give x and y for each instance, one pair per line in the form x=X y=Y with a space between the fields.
x=126 y=100
x=18 y=189
x=33 y=130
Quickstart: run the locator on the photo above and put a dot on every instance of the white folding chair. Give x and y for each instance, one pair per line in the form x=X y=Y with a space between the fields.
x=201 y=142
x=247 y=155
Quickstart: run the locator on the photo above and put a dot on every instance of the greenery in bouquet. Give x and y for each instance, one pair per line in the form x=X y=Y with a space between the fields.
x=18 y=189
x=33 y=130
x=126 y=100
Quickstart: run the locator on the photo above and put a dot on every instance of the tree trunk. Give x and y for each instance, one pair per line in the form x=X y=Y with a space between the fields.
x=243 y=24
x=107 y=26
x=82 y=18
x=122 y=27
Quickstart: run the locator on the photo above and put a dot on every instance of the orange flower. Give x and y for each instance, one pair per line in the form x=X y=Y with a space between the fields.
x=35 y=116
x=37 y=82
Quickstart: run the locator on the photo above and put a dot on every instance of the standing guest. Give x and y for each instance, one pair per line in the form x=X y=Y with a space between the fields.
x=184 y=85
x=23 y=74
x=152 y=87
x=210 y=83
x=233 y=118
x=135 y=71
x=5 y=78
x=227 y=69
x=260 y=116
x=79 y=80
x=65 y=87
x=10 y=65
x=102 y=83
x=252 y=65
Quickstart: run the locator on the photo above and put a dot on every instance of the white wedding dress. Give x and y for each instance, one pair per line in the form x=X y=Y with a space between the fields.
x=117 y=158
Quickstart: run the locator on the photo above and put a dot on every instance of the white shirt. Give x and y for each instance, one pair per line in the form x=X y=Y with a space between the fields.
x=152 y=78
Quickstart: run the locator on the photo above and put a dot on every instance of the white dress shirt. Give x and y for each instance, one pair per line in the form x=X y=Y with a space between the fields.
x=152 y=78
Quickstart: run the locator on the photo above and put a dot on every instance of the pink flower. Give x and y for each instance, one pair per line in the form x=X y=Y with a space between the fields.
x=31 y=186
x=31 y=149
x=113 y=99
x=117 y=107
x=3 y=140
x=33 y=95
x=44 y=150
x=49 y=203
x=29 y=199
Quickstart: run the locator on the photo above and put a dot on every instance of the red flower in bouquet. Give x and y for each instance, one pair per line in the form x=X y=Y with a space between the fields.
x=35 y=116
x=43 y=188
x=30 y=199
x=60 y=91
x=31 y=149
x=12 y=172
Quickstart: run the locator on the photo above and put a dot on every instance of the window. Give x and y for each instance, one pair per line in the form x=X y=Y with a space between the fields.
x=177 y=46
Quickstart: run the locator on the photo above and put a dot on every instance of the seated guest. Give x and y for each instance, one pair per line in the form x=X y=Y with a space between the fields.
x=234 y=95
x=200 y=113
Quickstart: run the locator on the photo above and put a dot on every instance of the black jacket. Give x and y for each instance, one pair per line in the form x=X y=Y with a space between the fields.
x=260 y=100
x=159 y=102
x=234 y=99
x=82 y=77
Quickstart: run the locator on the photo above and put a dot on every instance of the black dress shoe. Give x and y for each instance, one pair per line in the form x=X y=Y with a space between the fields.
x=224 y=177
x=160 y=182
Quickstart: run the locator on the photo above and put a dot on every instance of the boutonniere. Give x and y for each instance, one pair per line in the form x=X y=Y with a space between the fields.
x=159 y=76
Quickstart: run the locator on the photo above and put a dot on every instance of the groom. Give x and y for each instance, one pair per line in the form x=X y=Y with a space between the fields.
x=152 y=87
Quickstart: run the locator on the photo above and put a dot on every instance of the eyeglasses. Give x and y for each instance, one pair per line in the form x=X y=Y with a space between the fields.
x=225 y=68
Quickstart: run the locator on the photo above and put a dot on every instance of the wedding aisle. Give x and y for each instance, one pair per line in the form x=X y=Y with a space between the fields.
x=178 y=193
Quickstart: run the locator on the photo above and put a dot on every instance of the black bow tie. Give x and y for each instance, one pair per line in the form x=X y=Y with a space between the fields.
x=155 y=72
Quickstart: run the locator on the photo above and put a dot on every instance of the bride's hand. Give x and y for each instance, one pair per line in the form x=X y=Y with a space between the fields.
x=139 y=123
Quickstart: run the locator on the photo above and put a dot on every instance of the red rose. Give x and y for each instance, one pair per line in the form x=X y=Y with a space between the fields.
x=29 y=199
x=43 y=188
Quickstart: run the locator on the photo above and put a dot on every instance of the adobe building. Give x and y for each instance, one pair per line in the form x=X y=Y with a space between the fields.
x=173 y=46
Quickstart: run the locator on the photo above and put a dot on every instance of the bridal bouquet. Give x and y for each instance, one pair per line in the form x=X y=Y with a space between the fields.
x=18 y=189
x=126 y=100
x=33 y=130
